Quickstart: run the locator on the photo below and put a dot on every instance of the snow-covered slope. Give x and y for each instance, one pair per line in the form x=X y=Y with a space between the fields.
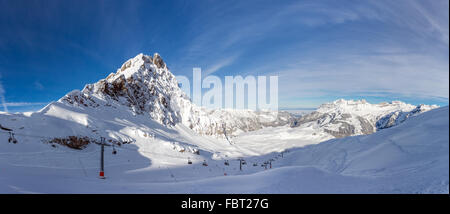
x=338 y=119
x=411 y=157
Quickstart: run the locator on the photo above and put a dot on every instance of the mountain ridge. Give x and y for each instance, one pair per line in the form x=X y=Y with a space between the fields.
x=143 y=85
x=343 y=118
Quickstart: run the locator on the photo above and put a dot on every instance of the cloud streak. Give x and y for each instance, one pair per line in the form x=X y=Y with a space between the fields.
x=22 y=104
x=220 y=64
x=38 y=85
x=2 y=96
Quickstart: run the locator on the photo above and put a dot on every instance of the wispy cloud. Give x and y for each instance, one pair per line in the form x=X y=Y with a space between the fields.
x=21 y=104
x=38 y=85
x=219 y=65
x=6 y=105
x=423 y=18
x=400 y=74
x=2 y=96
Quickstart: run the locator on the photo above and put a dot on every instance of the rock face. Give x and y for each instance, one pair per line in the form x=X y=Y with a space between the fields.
x=138 y=84
x=157 y=60
x=343 y=118
x=147 y=87
x=397 y=117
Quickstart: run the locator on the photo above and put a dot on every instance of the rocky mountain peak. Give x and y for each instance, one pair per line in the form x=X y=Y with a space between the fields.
x=142 y=83
x=145 y=85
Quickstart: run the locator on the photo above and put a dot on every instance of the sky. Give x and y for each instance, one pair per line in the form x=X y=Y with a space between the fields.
x=379 y=50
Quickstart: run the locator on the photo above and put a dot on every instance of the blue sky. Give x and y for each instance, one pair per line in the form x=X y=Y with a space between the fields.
x=321 y=50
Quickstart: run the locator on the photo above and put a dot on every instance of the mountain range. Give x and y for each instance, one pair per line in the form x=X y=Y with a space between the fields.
x=142 y=112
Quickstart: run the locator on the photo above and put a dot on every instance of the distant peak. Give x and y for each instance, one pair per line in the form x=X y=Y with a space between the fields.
x=349 y=102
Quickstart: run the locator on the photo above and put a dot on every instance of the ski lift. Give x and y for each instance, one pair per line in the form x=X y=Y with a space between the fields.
x=114 y=150
x=265 y=165
x=204 y=163
x=189 y=161
x=12 y=138
x=243 y=162
x=226 y=163
x=255 y=164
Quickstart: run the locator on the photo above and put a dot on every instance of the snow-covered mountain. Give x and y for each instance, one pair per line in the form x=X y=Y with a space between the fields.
x=146 y=86
x=343 y=118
